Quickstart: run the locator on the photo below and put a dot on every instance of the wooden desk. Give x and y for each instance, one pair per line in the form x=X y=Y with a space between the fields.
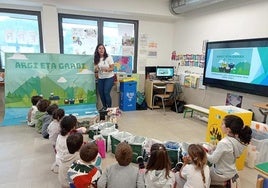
x=263 y=108
x=150 y=87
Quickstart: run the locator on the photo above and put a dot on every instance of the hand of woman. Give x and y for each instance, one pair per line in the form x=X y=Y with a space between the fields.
x=105 y=70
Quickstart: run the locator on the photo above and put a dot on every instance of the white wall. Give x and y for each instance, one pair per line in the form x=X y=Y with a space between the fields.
x=162 y=34
x=246 y=21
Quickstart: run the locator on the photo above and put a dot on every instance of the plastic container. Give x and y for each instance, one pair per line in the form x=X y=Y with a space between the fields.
x=97 y=127
x=119 y=137
x=137 y=144
x=173 y=152
x=106 y=133
x=128 y=96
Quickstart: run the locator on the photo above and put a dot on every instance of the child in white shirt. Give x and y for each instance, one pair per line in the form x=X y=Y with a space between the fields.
x=67 y=125
x=195 y=171
x=54 y=127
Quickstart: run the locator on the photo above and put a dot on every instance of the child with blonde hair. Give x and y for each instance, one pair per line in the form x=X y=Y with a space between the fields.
x=195 y=171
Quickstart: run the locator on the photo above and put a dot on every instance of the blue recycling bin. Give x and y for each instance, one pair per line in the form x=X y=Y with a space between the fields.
x=128 y=95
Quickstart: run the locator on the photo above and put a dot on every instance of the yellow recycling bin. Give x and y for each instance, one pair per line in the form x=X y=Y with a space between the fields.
x=216 y=115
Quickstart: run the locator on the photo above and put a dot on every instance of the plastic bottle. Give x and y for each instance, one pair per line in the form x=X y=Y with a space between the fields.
x=213 y=142
x=252 y=156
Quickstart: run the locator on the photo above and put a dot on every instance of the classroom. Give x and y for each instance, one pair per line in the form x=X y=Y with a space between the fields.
x=165 y=36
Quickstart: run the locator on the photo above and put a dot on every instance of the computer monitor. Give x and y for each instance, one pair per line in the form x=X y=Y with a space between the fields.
x=164 y=72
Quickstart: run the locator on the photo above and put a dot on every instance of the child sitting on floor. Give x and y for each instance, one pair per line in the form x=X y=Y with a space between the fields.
x=158 y=169
x=54 y=127
x=83 y=173
x=67 y=124
x=48 y=119
x=31 y=113
x=195 y=171
x=121 y=174
x=39 y=115
x=74 y=142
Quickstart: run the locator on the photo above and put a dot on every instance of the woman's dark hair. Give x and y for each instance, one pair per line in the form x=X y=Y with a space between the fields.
x=159 y=159
x=97 y=55
x=123 y=154
x=237 y=127
x=58 y=113
x=67 y=124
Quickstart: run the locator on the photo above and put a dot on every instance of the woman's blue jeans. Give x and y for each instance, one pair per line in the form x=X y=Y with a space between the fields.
x=104 y=87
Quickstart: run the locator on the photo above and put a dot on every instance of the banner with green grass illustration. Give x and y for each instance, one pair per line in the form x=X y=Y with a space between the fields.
x=67 y=80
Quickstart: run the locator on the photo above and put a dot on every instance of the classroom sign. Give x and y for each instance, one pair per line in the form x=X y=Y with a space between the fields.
x=67 y=80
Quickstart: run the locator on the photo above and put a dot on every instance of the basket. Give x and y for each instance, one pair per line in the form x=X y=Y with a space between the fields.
x=117 y=138
x=137 y=144
x=173 y=152
x=96 y=128
x=106 y=133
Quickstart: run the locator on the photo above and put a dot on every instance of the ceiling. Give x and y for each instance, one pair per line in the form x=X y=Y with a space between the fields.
x=153 y=10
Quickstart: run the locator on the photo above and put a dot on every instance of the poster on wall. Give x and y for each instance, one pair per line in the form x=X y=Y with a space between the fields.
x=152 y=49
x=83 y=41
x=123 y=64
x=234 y=100
x=67 y=80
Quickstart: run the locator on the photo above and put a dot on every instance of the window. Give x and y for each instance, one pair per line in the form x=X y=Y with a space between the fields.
x=81 y=34
x=20 y=31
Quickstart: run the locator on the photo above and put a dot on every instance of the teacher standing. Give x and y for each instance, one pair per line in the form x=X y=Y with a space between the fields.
x=104 y=66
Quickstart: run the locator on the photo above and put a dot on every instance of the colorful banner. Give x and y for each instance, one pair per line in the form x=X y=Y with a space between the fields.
x=67 y=80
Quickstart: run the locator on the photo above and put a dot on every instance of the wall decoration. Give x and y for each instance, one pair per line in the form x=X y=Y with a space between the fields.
x=123 y=64
x=234 y=100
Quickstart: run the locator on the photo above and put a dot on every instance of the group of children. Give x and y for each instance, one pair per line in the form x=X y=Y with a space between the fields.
x=194 y=171
x=79 y=163
x=200 y=168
